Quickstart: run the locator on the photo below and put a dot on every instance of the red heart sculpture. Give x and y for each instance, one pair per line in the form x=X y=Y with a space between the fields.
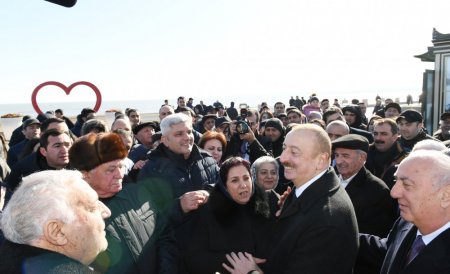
x=67 y=91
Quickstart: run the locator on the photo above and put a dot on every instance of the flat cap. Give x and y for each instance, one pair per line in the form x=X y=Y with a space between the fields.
x=138 y=128
x=351 y=141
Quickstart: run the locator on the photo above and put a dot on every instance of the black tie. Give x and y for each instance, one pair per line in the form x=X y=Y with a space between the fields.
x=416 y=247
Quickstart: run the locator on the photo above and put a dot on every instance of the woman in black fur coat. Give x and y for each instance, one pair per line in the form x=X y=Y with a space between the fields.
x=236 y=218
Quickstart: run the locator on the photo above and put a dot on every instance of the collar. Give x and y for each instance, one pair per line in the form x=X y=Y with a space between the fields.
x=299 y=190
x=431 y=236
x=345 y=182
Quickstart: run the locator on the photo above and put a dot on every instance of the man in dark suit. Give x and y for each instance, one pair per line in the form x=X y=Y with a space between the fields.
x=373 y=205
x=419 y=241
x=317 y=230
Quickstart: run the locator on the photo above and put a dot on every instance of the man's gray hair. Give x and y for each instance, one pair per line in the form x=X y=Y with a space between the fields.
x=339 y=123
x=41 y=197
x=174 y=119
x=440 y=173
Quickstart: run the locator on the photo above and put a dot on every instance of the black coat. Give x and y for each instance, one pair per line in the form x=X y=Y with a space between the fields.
x=255 y=149
x=392 y=251
x=28 y=165
x=198 y=172
x=171 y=176
x=223 y=226
x=371 y=199
x=316 y=232
x=25 y=259
x=383 y=165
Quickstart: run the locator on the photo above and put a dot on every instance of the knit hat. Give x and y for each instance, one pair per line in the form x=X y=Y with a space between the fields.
x=275 y=123
x=92 y=150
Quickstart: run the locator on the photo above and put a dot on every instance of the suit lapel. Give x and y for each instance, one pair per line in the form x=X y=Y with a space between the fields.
x=353 y=187
x=404 y=242
x=291 y=205
x=434 y=256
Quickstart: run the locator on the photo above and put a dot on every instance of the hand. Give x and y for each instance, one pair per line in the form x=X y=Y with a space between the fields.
x=249 y=136
x=192 y=200
x=282 y=200
x=242 y=263
x=139 y=164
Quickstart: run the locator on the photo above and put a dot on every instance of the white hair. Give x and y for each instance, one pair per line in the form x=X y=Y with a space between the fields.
x=314 y=115
x=41 y=197
x=339 y=123
x=429 y=144
x=173 y=119
x=440 y=173
x=257 y=164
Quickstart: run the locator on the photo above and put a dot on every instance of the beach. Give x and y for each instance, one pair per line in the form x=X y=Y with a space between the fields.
x=7 y=126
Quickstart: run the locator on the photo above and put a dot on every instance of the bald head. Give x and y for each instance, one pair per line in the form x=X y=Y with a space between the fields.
x=337 y=129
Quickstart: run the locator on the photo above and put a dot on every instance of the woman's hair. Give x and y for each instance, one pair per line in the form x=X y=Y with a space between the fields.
x=210 y=135
x=230 y=163
x=262 y=160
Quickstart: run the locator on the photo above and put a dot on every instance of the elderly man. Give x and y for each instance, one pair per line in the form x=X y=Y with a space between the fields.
x=370 y=197
x=337 y=129
x=143 y=133
x=134 y=229
x=53 y=224
x=317 y=230
x=419 y=240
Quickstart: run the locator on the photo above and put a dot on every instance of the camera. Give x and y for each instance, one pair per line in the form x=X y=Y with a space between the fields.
x=242 y=127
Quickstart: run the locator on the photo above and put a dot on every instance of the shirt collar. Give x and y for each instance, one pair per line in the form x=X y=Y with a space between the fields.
x=299 y=190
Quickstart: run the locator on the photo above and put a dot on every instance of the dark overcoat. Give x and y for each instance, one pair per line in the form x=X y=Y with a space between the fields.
x=316 y=232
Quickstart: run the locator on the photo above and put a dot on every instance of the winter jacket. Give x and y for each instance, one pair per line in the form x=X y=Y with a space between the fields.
x=137 y=234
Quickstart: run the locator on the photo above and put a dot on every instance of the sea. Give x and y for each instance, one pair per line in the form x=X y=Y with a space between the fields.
x=72 y=109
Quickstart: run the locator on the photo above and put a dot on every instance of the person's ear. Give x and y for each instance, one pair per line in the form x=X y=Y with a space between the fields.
x=85 y=174
x=444 y=196
x=164 y=140
x=43 y=151
x=54 y=232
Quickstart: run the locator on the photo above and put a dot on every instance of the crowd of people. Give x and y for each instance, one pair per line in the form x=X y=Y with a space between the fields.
x=314 y=187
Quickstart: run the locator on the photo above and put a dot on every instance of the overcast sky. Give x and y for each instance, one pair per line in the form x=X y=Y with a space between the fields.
x=151 y=49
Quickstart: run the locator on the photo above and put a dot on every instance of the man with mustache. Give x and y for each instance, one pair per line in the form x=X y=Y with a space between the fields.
x=317 y=230
x=385 y=152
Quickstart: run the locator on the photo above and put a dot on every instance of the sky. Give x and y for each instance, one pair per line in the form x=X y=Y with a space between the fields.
x=208 y=49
